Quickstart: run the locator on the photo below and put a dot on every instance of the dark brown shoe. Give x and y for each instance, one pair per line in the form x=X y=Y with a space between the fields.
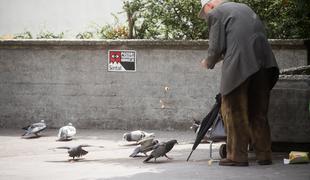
x=228 y=162
x=264 y=162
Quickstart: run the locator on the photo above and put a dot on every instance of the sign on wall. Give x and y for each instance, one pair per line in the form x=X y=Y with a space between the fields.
x=122 y=60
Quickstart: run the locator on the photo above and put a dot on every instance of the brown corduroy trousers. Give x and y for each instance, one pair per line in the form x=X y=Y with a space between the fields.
x=244 y=112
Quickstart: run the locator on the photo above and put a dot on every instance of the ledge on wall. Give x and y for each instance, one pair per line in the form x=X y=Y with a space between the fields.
x=191 y=44
x=302 y=70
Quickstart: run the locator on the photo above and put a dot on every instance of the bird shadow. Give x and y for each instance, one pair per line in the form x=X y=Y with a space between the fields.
x=76 y=161
x=163 y=161
x=139 y=156
x=123 y=161
x=31 y=137
x=156 y=162
x=64 y=140
x=130 y=144
x=202 y=160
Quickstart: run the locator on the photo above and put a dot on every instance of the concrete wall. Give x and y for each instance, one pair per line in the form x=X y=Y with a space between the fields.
x=67 y=81
x=289 y=112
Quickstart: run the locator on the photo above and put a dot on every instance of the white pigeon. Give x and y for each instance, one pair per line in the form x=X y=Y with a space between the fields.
x=137 y=135
x=66 y=133
x=34 y=128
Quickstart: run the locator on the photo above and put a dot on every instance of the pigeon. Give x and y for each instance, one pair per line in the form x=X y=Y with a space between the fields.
x=196 y=126
x=77 y=151
x=145 y=145
x=161 y=149
x=34 y=128
x=66 y=133
x=137 y=135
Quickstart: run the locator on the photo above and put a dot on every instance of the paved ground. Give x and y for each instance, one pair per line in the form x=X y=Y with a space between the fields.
x=33 y=159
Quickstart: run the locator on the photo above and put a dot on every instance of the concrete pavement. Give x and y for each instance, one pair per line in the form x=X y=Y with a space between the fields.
x=33 y=159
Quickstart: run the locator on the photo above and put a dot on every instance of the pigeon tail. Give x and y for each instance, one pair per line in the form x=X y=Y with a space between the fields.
x=26 y=127
x=135 y=152
x=26 y=133
x=148 y=158
x=83 y=152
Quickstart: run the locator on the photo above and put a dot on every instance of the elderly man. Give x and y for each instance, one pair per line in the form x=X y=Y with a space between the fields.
x=249 y=72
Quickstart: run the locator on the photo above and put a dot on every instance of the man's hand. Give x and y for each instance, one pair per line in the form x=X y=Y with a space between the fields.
x=204 y=63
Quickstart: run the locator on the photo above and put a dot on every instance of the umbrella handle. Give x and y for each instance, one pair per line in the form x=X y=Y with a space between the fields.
x=189 y=155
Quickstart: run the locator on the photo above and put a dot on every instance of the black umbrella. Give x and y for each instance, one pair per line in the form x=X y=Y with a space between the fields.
x=207 y=123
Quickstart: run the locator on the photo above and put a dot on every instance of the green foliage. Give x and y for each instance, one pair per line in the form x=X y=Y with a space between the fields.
x=49 y=35
x=24 y=35
x=177 y=19
x=283 y=18
x=85 y=35
x=165 y=19
x=112 y=32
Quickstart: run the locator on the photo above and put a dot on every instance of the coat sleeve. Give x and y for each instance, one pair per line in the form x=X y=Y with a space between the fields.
x=217 y=40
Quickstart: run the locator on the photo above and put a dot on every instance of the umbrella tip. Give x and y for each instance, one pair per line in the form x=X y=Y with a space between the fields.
x=189 y=155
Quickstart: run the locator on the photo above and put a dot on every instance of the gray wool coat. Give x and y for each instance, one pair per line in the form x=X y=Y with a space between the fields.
x=238 y=34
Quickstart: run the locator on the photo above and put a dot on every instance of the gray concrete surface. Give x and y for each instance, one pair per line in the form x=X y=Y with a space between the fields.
x=32 y=159
x=289 y=114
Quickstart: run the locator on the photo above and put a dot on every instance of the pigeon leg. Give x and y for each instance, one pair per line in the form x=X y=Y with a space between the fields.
x=74 y=159
x=168 y=157
x=71 y=160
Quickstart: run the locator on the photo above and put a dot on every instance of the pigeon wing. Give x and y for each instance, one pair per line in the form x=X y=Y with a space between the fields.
x=169 y=145
x=146 y=142
x=136 y=135
x=26 y=127
x=135 y=152
x=83 y=152
x=38 y=127
x=71 y=131
x=160 y=150
x=61 y=133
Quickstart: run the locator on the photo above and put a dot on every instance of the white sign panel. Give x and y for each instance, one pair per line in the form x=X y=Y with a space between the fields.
x=122 y=60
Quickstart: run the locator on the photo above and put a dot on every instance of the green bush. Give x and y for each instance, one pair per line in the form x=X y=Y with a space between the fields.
x=85 y=35
x=49 y=35
x=170 y=19
x=24 y=35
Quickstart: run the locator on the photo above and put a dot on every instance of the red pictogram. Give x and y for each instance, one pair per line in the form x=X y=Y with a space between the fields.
x=115 y=56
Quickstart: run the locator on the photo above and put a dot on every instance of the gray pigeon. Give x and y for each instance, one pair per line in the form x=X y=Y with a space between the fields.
x=145 y=145
x=66 y=133
x=76 y=151
x=196 y=126
x=137 y=135
x=34 y=128
x=161 y=149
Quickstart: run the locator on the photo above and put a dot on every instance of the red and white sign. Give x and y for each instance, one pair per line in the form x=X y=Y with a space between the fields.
x=122 y=60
